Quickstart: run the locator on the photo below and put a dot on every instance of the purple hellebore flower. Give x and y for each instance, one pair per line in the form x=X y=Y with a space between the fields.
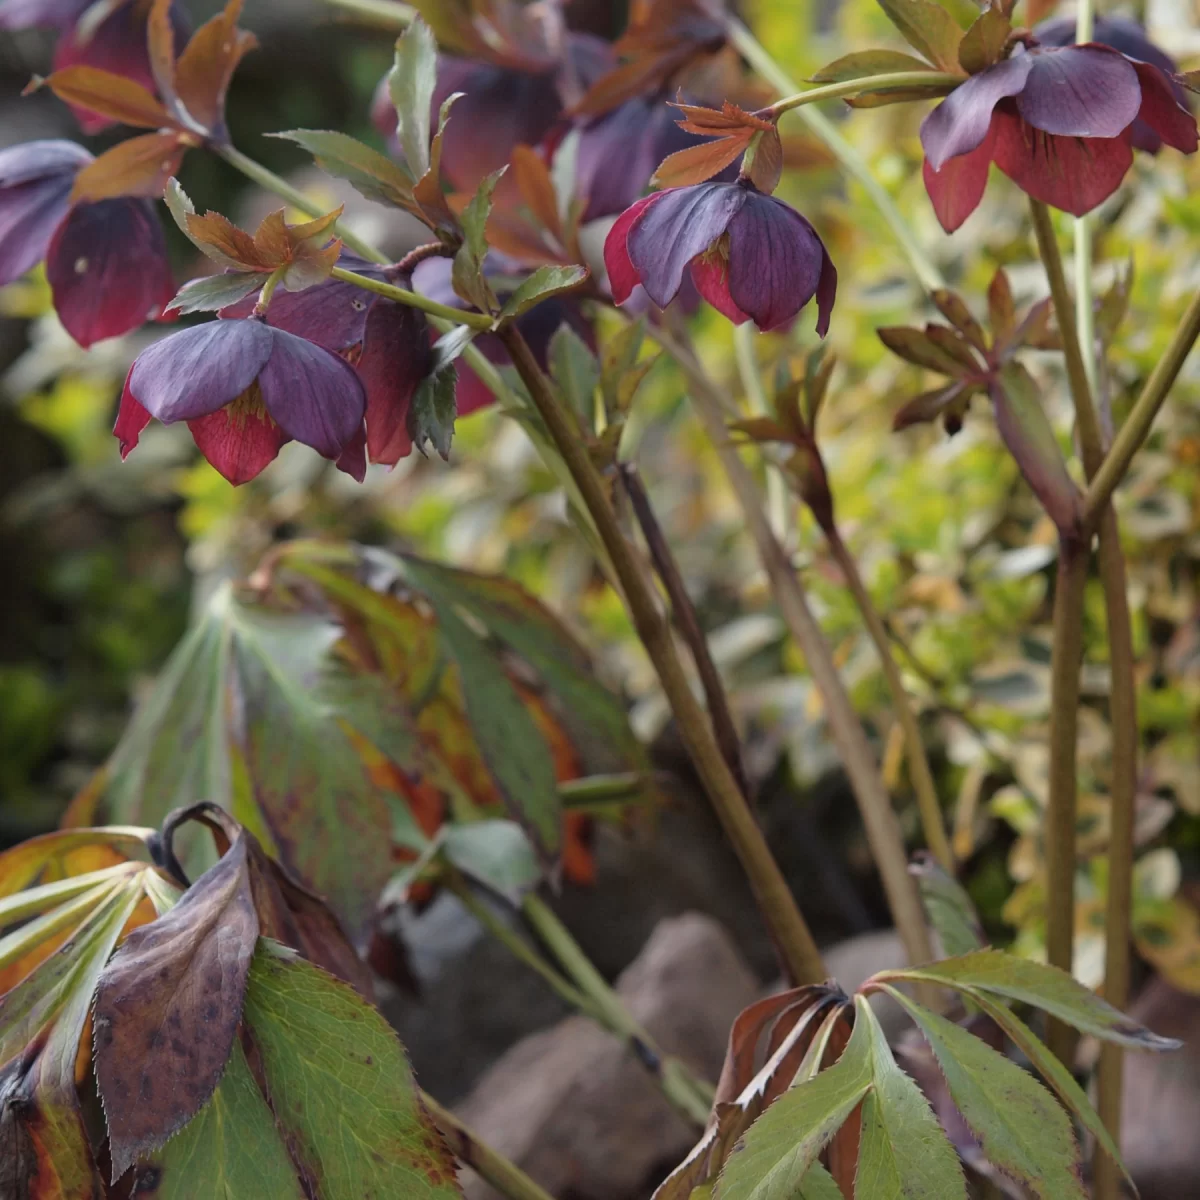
x=500 y=108
x=1058 y=121
x=432 y=278
x=1130 y=39
x=620 y=150
x=386 y=343
x=751 y=256
x=106 y=261
x=117 y=44
x=245 y=389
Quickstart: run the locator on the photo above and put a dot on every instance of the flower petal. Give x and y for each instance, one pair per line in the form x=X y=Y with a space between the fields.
x=35 y=189
x=826 y=292
x=196 y=371
x=332 y=314
x=682 y=223
x=41 y=14
x=956 y=190
x=132 y=418
x=396 y=356
x=1161 y=113
x=313 y=395
x=711 y=277
x=30 y=162
x=353 y=460
x=775 y=261
x=1118 y=32
x=622 y=274
x=961 y=122
x=1071 y=174
x=239 y=440
x=1080 y=91
x=108 y=269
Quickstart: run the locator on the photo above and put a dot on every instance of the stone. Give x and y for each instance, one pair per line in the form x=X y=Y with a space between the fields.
x=574 y=1108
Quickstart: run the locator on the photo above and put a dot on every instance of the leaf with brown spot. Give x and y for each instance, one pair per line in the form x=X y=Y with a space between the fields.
x=167 y=1010
x=112 y=96
x=140 y=166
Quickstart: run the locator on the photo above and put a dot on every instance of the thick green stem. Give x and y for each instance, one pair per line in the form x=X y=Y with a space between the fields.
x=930 y=809
x=1137 y=425
x=381 y=14
x=879 y=820
x=749 y=48
x=866 y=83
x=490 y=1165
x=690 y=1095
x=455 y=316
x=1065 y=662
x=791 y=934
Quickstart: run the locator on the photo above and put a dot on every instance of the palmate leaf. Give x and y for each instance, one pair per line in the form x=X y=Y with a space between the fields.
x=947 y=906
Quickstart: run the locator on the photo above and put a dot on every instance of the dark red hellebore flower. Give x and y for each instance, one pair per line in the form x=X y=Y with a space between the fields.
x=245 y=389
x=106 y=261
x=117 y=44
x=750 y=255
x=1058 y=121
x=387 y=344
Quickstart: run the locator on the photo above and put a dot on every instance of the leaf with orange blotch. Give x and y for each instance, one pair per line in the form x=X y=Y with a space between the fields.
x=206 y=67
x=141 y=166
x=112 y=96
x=698 y=163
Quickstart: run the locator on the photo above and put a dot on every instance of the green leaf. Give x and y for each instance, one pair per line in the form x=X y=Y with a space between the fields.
x=1042 y=986
x=545 y=281
x=947 y=907
x=772 y=1157
x=341 y=1087
x=955 y=310
x=917 y=347
x=983 y=44
x=370 y=173
x=1021 y=1128
x=595 y=717
x=433 y=410
x=1061 y=1081
x=513 y=747
x=865 y=63
x=215 y=291
x=411 y=84
x=617 y=361
x=1025 y=430
x=310 y=788
x=496 y=853
x=574 y=368
x=467 y=273
x=230 y=1150
x=903 y=1152
x=818 y=1184
x=928 y=28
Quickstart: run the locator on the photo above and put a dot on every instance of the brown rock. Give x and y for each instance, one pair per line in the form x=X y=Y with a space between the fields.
x=574 y=1108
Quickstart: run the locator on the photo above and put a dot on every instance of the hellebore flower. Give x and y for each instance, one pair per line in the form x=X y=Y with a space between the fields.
x=500 y=107
x=621 y=150
x=1130 y=39
x=538 y=325
x=117 y=44
x=1058 y=121
x=245 y=389
x=751 y=256
x=106 y=261
x=386 y=343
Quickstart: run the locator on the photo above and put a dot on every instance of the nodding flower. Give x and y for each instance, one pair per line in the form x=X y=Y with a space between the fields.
x=750 y=255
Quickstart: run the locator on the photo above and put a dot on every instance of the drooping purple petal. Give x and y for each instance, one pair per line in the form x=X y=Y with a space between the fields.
x=41 y=14
x=960 y=123
x=776 y=260
x=1080 y=91
x=108 y=269
x=1161 y=117
x=313 y=395
x=239 y=440
x=196 y=371
x=956 y=190
x=682 y=223
x=826 y=292
x=35 y=190
x=132 y=418
x=1071 y=174
x=1118 y=32
x=396 y=356
x=623 y=276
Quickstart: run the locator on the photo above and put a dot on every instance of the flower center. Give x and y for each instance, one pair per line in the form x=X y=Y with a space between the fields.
x=248 y=406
